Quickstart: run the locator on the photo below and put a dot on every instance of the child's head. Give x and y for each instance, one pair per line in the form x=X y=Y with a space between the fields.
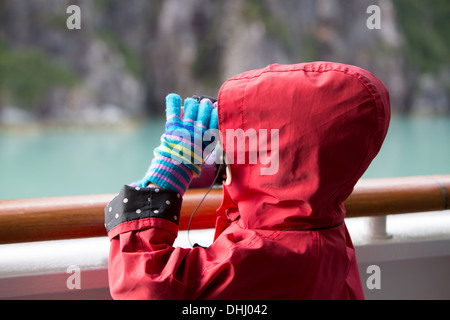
x=298 y=138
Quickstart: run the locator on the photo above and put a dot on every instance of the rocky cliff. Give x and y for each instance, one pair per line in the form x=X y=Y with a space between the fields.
x=128 y=54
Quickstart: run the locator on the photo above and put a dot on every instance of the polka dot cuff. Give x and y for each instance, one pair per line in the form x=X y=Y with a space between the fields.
x=134 y=203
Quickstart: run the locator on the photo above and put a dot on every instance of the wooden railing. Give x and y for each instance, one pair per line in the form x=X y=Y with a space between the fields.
x=83 y=216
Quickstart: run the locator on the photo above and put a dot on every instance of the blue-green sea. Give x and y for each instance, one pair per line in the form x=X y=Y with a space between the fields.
x=53 y=161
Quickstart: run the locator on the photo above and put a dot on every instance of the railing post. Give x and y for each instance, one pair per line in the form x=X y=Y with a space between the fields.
x=377 y=228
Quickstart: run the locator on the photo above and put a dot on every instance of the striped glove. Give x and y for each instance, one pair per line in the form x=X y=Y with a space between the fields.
x=186 y=143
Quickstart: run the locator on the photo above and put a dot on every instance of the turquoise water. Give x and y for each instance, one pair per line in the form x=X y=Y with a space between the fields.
x=414 y=146
x=55 y=162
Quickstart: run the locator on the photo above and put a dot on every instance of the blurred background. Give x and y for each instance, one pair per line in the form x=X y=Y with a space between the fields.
x=81 y=110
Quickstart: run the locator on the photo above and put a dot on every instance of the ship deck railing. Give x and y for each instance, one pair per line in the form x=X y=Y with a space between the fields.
x=71 y=217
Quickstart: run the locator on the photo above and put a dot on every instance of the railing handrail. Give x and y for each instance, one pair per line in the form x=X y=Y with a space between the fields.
x=72 y=217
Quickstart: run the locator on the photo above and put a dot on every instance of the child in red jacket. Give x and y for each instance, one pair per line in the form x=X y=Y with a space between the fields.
x=297 y=138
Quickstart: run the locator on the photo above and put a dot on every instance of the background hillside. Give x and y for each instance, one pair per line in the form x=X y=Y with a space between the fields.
x=129 y=54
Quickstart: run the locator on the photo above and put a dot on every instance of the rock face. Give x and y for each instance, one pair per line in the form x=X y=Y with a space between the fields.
x=129 y=54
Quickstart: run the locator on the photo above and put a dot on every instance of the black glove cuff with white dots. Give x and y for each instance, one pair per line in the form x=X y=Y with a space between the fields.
x=134 y=203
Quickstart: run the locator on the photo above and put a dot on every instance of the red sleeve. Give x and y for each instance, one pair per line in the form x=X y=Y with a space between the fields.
x=142 y=225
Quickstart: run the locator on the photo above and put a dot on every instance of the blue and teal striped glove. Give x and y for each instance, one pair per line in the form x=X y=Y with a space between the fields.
x=185 y=145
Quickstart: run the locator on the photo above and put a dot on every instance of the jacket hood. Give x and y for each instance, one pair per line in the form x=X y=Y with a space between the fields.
x=313 y=129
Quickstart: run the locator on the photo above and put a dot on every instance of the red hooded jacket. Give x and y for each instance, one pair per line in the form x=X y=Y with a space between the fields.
x=285 y=238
